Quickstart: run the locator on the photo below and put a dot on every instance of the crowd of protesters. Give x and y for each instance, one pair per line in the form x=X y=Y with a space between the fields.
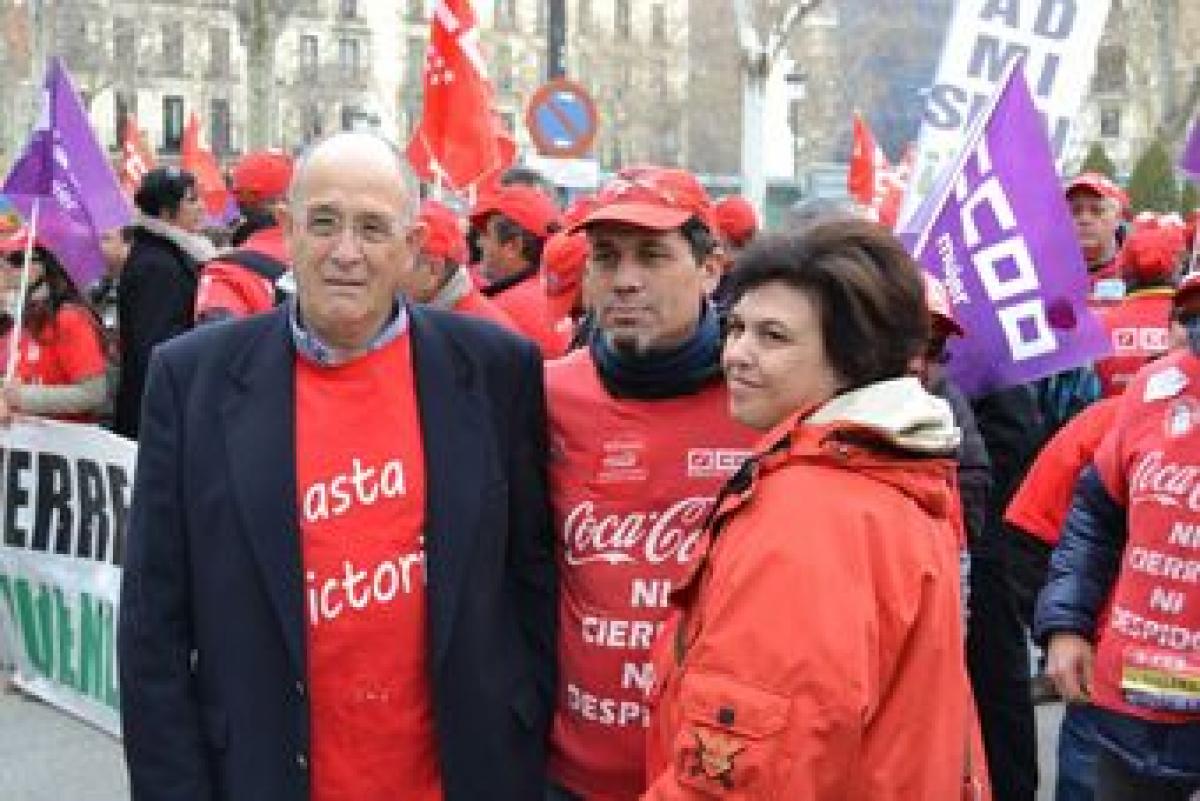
x=741 y=537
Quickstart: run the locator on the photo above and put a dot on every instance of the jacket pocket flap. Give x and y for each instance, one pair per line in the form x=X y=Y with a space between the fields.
x=722 y=702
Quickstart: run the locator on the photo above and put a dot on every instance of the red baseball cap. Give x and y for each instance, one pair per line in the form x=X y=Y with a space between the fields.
x=658 y=198
x=1097 y=184
x=524 y=205
x=937 y=299
x=261 y=176
x=1152 y=253
x=563 y=260
x=444 y=235
x=736 y=220
x=17 y=241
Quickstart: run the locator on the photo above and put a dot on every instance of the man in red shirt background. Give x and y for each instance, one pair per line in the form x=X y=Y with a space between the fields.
x=256 y=275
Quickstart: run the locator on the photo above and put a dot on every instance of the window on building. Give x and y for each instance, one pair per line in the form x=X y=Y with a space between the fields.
x=415 y=10
x=172 y=123
x=658 y=22
x=504 y=68
x=1110 y=123
x=219 y=134
x=623 y=23
x=584 y=16
x=353 y=117
x=414 y=63
x=504 y=14
x=314 y=125
x=309 y=55
x=172 y=48
x=124 y=107
x=1111 y=74
x=349 y=57
x=124 y=42
x=539 y=16
x=218 y=51
x=348 y=8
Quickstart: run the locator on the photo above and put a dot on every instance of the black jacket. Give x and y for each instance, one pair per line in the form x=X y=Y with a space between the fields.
x=155 y=301
x=211 y=638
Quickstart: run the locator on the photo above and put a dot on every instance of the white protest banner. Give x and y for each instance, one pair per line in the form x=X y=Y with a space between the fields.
x=66 y=491
x=1057 y=38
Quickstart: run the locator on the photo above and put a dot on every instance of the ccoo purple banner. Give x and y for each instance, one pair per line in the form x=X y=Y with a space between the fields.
x=998 y=232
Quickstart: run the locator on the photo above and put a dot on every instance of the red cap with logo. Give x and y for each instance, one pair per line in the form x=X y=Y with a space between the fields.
x=1097 y=184
x=524 y=205
x=736 y=220
x=444 y=235
x=658 y=198
x=938 y=301
x=563 y=260
x=261 y=176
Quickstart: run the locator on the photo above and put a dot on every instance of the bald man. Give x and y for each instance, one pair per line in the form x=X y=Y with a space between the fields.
x=339 y=578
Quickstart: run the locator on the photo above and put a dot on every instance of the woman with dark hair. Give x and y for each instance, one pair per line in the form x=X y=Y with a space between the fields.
x=819 y=653
x=157 y=293
x=60 y=371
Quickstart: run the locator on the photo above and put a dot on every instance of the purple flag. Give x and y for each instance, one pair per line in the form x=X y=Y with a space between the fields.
x=63 y=167
x=1189 y=162
x=999 y=235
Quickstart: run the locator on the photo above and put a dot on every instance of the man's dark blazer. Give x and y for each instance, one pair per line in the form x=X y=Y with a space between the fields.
x=211 y=636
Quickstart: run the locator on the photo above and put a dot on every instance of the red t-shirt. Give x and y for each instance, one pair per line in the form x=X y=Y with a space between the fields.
x=236 y=290
x=1040 y=505
x=631 y=484
x=361 y=481
x=1148 y=648
x=525 y=303
x=476 y=304
x=69 y=349
x=1138 y=327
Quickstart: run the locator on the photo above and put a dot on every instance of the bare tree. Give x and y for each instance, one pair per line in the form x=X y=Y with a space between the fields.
x=764 y=28
x=262 y=23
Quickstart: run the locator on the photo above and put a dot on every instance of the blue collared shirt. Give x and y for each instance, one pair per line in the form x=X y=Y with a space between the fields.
x=316 y=350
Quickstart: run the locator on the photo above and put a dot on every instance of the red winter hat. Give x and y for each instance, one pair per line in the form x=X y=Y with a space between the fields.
x=261 y=176
x=1152 y=254
x=736 y=220
x=1097 y=184
x=937 y=299
x=658 y=198
x=563 y=260
x=524 y=205
x=444 y=235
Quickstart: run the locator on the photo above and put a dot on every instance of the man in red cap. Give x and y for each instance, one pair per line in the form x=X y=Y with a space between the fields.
x=439 y=278
x=737 y=224
x=257 y=275
x=513 y=223
x=1138 y=323
x=1096 y=206
x=641 y=441
x=563 y=261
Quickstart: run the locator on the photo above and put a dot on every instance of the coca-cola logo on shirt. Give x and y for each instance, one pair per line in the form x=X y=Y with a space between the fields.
x=1168 y=483
x=634 y=537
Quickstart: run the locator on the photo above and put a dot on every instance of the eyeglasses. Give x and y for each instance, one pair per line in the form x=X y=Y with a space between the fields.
x=372 y=229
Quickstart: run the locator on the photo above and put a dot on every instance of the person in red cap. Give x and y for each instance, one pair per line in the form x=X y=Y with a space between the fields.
x=737 y=224
x=1096 y=207
x=1138 y=323
x=513 y=223
x=641 y=441
x=256 y=275
x=61 y=362
x=563 y=261
x=440 y=278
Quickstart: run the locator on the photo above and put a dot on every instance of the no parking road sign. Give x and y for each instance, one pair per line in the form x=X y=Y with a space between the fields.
x=562 y=119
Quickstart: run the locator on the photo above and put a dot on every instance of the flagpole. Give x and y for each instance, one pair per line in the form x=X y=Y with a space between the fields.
x=14 y=339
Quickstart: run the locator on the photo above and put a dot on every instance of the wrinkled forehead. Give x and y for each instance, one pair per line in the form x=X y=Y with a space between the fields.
x=621 y=234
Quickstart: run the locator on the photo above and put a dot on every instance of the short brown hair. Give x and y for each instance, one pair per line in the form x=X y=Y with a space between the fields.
x=867 y=290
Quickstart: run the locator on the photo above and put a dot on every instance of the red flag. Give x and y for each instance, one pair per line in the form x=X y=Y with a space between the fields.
x=203 y=165
x=136 y=157
x=456 y=139
x=877 y=186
